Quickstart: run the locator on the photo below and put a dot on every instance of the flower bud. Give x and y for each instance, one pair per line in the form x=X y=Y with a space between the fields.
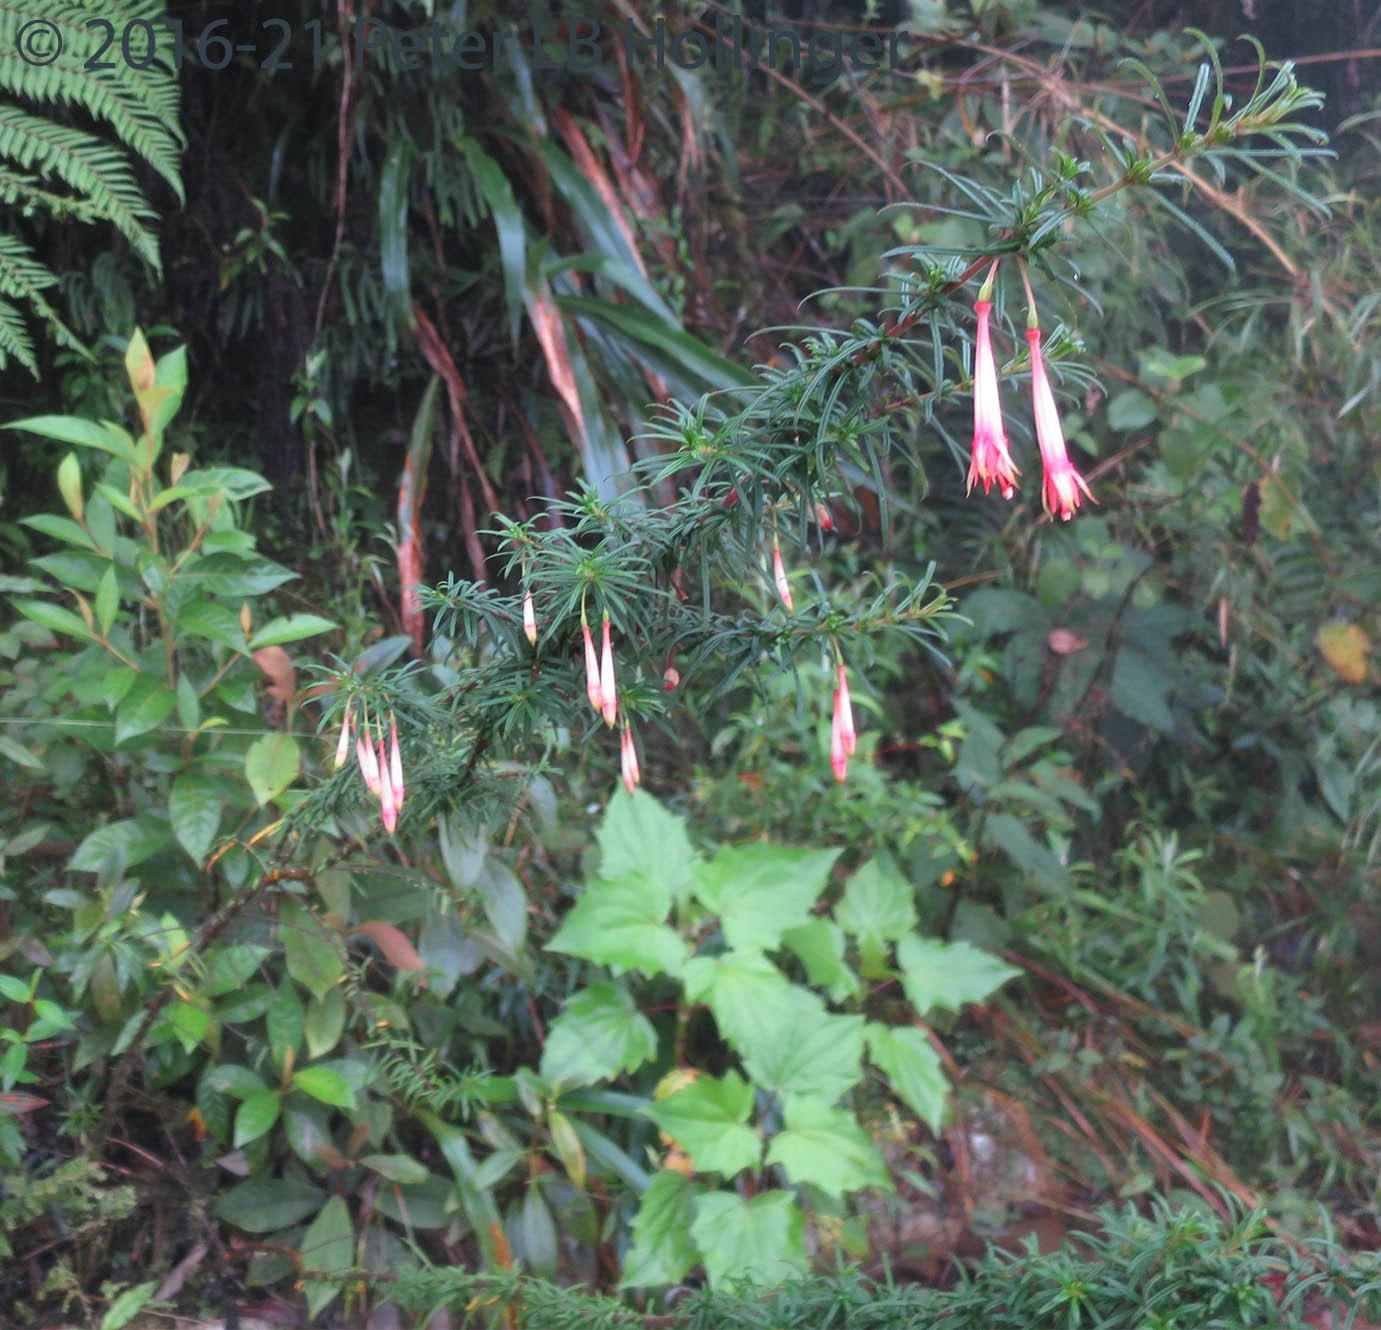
x=779 y=572
x=369 y=766
x=389 y=808
x=608 y=691
x=395 y=764
x=844 y=707
x=593 y=688
x=839 y=759
x=529 y=618
x=628 y=753
x=671 y=678
x=343 y=743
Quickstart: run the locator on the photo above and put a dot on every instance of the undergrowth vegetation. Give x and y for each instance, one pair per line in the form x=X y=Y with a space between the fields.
x=985 y=931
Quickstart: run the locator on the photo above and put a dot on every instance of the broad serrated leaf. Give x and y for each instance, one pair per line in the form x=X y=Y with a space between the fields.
x=819 y=945
x=639 y=836
x=826 y=1147
x=905 y=1056
x=949 y=974
x=878 y=903
x=663 y=1250
x=598 y=1035
x=760 y=890
x=619 y=923
x=708 y=1120
x=762 y=1239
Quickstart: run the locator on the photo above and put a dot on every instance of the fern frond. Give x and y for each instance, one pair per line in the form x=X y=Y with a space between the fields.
x=24 y=278
x=93 y=168
x=14 y=340
x=140 y=105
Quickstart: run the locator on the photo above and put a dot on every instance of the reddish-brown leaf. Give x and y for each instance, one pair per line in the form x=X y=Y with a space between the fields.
x=277 y=664
x=391 y=941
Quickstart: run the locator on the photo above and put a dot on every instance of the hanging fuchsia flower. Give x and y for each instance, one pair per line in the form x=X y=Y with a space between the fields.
x=395 y=764
x=593 y=689
x=839 y=757
x=388 y=804
x=779 y=572
x=369 y=764
x=343 y=743
x=608 y=691
x=628 y=753
x=529 y=618
x=990 y=461
x=1060 y=492
x=843 y=706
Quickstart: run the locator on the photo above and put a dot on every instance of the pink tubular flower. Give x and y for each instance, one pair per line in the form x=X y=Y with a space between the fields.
x=593 y=688
x=671 y=677
x=843 y=706
x=608 y=691
x=369 y=764
x=779 y=572
x=529 y=619
x=990 y=461
x=389 y=806
x=343 y=743
x=839 y=757
x=1060 y=493
x=628 y=753
x=395 y=764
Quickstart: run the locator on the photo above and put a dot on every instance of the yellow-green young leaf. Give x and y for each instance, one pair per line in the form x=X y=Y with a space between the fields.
x=329 y=1086
x=107 y=600
x=568 y=1146
x=139 y=363
x=70 y=484
x=256 y=1115
x=271 y=765
x=116 y=499
x=949 y=974
x=1345 y=647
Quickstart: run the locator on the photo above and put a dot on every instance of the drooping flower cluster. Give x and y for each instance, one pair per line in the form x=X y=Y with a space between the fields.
x=601 y=688
x=382 y=769
x=990 y=460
